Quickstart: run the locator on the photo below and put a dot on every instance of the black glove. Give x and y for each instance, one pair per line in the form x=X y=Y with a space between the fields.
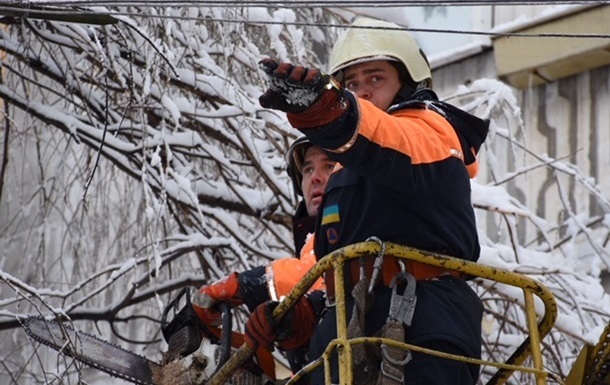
x=292 y=88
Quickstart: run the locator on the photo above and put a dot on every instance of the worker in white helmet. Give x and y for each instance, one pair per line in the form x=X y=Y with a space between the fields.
x=407 y=161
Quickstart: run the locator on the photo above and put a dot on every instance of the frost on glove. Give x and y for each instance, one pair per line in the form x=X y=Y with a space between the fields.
x=310 y=98
x=205 y=299
x=293 y=331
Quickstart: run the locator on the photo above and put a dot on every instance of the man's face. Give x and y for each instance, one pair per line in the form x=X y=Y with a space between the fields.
x=376 y=81
x=317 y=168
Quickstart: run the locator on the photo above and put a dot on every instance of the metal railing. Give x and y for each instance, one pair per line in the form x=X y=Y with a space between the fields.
x=530 y=347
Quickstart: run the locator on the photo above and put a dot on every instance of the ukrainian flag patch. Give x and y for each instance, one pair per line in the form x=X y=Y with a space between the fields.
x=330 y=214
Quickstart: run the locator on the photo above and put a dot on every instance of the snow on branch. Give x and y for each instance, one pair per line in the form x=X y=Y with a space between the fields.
x=139 y=162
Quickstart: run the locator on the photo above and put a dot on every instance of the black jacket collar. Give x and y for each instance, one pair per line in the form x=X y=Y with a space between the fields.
x=302 y=225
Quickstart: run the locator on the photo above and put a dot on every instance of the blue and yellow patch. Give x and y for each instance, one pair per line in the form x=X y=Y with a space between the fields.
x=330 y=214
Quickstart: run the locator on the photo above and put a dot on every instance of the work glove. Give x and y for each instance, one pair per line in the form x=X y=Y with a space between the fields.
x=310 y=98
x=205 y=299
x=293 y=331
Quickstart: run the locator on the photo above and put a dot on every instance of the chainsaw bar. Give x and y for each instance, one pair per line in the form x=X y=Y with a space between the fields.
x=92 y=351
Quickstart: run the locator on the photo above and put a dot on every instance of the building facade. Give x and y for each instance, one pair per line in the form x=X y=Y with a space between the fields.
x=556 y=163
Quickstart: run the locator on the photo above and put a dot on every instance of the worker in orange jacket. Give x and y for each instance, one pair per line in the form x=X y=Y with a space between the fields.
x=309 y=168
x=407 y=161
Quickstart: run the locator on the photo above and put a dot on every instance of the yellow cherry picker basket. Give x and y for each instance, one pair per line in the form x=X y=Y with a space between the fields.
x=591 y=368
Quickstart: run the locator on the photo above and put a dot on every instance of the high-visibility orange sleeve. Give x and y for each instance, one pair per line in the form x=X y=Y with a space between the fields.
x=430 y=137
x=283 y=274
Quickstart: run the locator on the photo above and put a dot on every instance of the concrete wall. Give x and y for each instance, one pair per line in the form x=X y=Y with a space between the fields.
x=568 y=119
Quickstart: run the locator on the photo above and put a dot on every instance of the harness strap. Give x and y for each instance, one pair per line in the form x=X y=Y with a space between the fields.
x=393 y=359
x=363 y=363
x=381 y=271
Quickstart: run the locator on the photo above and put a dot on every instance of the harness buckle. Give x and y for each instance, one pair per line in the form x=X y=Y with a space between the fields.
x=393 y=361
x=396 y=375
x=402 y=306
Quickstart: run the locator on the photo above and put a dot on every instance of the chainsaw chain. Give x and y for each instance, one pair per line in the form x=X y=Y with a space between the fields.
x=68 y=350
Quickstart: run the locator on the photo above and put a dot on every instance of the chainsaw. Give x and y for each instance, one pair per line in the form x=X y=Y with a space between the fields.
x=195 y=351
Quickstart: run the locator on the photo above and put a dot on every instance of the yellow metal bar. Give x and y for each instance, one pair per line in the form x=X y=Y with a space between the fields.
x=327 y=369
x=344 y=349
x=593 y=363
x=530 y=312
x=437 y=353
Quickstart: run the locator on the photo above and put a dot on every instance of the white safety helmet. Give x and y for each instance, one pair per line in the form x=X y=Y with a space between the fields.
x=379 y=40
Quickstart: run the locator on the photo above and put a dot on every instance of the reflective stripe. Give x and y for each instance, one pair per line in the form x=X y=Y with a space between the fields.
x=283 y=274
x=457 y=153
x=352 y=140
x=270 y=283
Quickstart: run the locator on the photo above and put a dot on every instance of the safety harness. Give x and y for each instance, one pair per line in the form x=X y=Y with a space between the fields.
x=384 y=364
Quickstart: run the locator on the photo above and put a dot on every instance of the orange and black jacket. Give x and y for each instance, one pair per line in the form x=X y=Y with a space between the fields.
x=405 y=177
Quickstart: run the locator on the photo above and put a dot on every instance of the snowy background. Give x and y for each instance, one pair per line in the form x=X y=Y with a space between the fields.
x=136 y=161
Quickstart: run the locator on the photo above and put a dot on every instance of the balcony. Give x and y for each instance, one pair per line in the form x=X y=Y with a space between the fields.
x=529 y=61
